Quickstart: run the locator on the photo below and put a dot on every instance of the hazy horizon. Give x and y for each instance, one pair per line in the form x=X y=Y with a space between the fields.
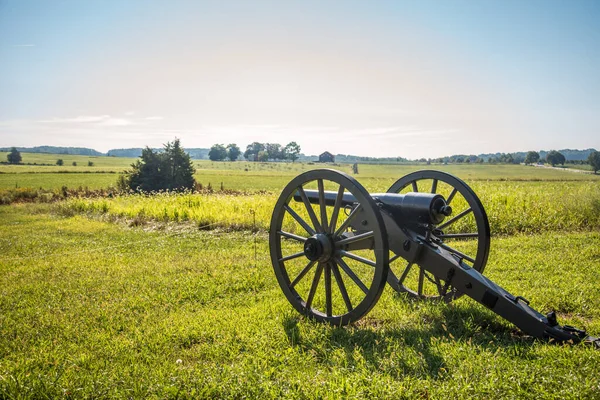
x=381 y=79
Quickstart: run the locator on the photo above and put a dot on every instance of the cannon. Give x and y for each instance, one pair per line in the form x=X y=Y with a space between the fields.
x=334 y=246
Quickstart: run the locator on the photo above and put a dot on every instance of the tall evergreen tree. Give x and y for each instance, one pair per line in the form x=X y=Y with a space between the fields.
x=171 y=169
x=179 y=169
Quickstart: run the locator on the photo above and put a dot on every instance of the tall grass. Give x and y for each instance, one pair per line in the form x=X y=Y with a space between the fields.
x=233 y=211
x=512 y=207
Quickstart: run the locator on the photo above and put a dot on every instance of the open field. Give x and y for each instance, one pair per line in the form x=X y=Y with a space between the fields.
x=126 y=297
x=94 y=309
x=47 y=163
x=245 y=176
x=57 y=180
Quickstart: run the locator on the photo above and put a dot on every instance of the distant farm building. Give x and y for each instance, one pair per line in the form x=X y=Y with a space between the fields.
x=327 y=157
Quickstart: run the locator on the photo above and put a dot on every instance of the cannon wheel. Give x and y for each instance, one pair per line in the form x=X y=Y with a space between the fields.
x=340 y=286
x=423 y=285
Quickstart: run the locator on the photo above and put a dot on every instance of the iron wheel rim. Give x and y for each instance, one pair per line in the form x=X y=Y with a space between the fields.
x=336 y=269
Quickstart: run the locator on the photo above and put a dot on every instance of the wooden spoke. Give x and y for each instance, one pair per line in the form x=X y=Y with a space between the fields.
x=458 y=235
x=355 y=238
x=434 y=185
x=292 y=236
x=394 y=258
x=299 y=219
x=336 y=209
x=352 y=275
x=313 y=287
x=421 y=279
x=341 y=286
x=453 y=220
x=451 y=195
x=357 y=258
x=348 y=220
x=405 y=273
x=291 y=257
x=302 y=273
x=309 y=209
x=328 y=306
x=322 y=206
x=414 y=186
x=438 y=283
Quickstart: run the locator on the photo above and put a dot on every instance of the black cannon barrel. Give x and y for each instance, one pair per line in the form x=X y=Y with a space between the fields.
x=313 y=197
x=423 y=208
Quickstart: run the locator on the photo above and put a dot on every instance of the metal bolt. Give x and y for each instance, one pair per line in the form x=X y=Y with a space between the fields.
x=406 y=245
x=468 y=285
x=364 y=222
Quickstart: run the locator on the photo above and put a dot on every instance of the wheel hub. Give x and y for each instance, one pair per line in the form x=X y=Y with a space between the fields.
x=318 y=248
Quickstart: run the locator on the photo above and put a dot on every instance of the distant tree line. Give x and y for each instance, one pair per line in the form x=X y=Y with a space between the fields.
x=255 y=152
x=552 y=157
x=77 y=151
x=273 y=151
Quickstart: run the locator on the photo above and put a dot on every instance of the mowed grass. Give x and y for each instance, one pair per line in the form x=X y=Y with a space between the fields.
x=58 y=180
x=242 y=175
x=47 y=163
x=95 y=309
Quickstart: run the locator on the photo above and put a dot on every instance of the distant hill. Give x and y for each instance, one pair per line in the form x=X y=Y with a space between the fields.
x=348 y=158
x=79 y=151
x=570 y=154
x=202 y=154
x=195 y=153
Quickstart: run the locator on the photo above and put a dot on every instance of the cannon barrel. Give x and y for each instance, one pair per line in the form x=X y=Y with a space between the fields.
x=422 y=208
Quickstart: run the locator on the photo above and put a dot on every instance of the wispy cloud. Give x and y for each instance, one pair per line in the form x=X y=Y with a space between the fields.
x=101 y=121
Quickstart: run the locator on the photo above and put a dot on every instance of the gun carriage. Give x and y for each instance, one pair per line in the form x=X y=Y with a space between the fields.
x=334 y=246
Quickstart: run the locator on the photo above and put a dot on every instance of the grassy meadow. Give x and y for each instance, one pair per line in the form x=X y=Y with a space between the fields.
x=252 y=176
x=174 y=296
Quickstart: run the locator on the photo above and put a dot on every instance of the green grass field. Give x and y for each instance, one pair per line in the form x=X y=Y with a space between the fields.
x=125 y=297
x=249 y=175
x=93 y=309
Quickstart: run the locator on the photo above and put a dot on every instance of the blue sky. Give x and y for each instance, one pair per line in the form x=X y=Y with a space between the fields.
x=411 y=79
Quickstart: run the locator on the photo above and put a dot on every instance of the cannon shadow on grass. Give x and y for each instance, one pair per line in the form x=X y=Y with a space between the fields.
x=469 y=325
